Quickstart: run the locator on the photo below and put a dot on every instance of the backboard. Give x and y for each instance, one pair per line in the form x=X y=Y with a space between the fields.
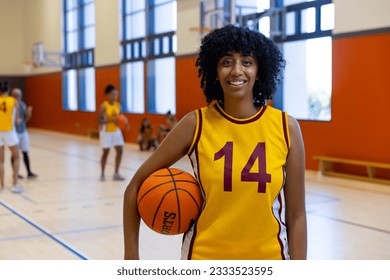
x=43 y=58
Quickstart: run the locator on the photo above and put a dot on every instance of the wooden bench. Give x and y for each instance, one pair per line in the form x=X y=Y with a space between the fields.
x=93 y=133
x=326 y=168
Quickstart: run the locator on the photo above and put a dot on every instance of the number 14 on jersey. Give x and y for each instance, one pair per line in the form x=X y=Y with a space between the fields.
x=261 y=176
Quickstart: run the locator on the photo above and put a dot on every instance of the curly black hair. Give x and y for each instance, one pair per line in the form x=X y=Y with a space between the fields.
x=4 y=87
x=109 y=88
x=230 y=38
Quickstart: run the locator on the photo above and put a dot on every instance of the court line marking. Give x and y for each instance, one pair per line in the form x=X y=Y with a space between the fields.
x=64 y=232
x=350 y=223
x=45 y=232
x=20 y=237
x=88 y=158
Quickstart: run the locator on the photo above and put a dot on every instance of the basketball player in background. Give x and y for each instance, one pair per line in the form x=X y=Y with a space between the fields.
x=163 y=130
x=109 y=133
x=9 y=110
x=247 y=156
x=25 y=114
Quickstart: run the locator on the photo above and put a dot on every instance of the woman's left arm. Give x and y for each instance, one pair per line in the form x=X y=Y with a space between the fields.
x=295 y=194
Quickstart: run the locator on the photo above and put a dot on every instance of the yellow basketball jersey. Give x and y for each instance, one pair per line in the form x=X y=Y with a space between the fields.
x=240 y=165
x=112 y=110
x=7 y=109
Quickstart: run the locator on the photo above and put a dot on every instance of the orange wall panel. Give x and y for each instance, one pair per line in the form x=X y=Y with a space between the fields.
x=359 y=127
x=189 y=95
x=44 y=94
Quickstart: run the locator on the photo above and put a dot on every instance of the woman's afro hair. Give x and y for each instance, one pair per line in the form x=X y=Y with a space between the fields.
x=220 y=42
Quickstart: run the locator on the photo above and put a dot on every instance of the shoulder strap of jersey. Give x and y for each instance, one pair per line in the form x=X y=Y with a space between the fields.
x=286 y=129
x=198 y=130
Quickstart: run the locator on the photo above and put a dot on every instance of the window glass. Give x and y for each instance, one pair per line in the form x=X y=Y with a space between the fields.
x=87 y=100
x=290 y=23
x=133 y=101
x=327 y=17
x=308 y=78
x=89 y=37
x=132 y=6
x=308 y=20
x=292 y=2
x=264 y=26
x=174 y=43
x=169 y=22
x=71 y=20
x=164 y=97
x=263 y=5
x=89 y=14
x=70 y=83
x=70 y=4
x=246 y=7
x=159 y=2
x=135 y=26
x=72 y=42
x=78 y=75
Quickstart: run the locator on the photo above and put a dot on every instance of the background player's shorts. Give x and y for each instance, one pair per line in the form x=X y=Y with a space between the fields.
x=8 y=138
x=24 y=141
x=111 y=139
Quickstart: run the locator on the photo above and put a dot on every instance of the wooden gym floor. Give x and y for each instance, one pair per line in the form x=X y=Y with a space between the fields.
x=67 y=213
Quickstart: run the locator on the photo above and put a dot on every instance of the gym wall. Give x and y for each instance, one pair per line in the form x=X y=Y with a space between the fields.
x=361 y=60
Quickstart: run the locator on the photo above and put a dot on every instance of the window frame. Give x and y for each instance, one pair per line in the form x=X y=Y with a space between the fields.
x=277 y=14
x=148 y=48
x=79 y=60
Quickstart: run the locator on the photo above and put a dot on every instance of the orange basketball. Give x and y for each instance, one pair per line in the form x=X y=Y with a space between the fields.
x=122 y=121
x=170 y=201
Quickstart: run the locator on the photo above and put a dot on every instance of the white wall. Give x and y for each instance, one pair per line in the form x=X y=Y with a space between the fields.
x=188 y=16
x=11 y=36
x=108 y=18
x=360 y=15
x=23 y=22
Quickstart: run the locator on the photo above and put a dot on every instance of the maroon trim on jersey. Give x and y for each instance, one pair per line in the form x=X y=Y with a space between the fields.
x=189 y=256
x=197 y=174
x=237 y=121
x=285 y=129
x=191 y=246
x=198 y=132
x=280 y=228
x=285 y=133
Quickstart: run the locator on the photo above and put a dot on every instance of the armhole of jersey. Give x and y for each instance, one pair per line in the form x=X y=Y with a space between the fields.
x=197 y=132
x=286 y=130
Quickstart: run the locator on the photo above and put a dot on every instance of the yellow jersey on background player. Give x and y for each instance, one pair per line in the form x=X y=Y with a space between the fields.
x=7 y=113
x=111 y=111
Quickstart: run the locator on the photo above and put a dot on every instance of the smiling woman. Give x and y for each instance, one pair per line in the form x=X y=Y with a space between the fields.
x=247 y=157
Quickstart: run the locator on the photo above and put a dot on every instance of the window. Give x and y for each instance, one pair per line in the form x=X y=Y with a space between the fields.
x=303 y=31
x=148 y=56
x=78 y=78
x=307 y=48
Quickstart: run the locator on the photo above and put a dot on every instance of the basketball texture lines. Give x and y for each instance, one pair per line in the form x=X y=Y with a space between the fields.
x=169 y=201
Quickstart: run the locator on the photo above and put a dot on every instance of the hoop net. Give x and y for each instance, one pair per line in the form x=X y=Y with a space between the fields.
x=27 y=66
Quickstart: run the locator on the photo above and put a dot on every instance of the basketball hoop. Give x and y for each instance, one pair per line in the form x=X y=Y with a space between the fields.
x=28 y=66
x=42 y=58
